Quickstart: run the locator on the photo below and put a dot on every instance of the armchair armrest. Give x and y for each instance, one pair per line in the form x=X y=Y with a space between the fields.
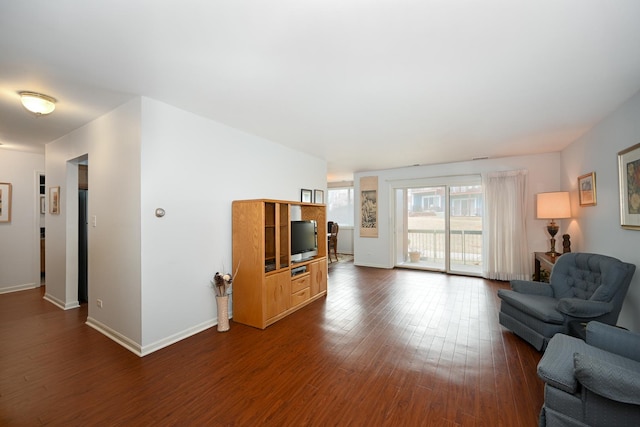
x=577 y=307
x=607 y=379
x=615 y=340
x=532 y=288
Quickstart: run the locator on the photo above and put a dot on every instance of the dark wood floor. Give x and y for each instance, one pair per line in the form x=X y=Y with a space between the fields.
x=386 y=347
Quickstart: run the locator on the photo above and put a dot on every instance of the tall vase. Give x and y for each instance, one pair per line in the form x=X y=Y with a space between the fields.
x=223 y=313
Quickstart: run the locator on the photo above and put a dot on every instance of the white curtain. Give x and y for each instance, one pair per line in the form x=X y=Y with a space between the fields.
x=504 y=228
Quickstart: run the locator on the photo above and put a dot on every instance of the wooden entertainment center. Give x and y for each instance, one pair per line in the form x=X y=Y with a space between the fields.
x=268 y=285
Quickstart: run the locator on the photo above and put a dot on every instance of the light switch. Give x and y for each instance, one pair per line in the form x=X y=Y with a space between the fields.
x=94 y=220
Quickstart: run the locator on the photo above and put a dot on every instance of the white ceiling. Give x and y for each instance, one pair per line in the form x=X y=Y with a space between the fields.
x=364 y=84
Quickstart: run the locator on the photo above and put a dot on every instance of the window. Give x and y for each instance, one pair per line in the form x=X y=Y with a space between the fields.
x=340 y=205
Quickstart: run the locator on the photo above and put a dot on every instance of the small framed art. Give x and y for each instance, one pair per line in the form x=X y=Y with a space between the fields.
x=54 y=200
x=629 y=181
x=587 y=189
x=305 y=195
x=5 y=202
x=318 y=196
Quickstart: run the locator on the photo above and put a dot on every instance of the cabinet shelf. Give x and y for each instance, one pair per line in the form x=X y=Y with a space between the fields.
x=264 y=290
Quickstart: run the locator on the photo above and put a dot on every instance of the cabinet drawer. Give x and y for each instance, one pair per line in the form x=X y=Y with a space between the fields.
x=300 y=296
x=300 y=283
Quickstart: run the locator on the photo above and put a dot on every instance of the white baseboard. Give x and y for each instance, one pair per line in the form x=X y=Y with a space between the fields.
x=126 y=342
x=17 y=288
x=172 y=339
x=59 y=303
x=142 y=351
x=367 y=264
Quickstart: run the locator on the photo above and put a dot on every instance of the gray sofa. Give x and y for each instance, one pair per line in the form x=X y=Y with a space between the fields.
x=582 y=287
x=592 y=383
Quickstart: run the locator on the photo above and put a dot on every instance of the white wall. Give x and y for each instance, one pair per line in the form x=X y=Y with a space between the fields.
x=152 y=274
x=544 y=175
x=194 y=168
x=20 y=238
x=597 y=228
x=112 y=144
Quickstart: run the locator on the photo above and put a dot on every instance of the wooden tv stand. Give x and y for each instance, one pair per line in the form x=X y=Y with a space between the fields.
x=268 y=285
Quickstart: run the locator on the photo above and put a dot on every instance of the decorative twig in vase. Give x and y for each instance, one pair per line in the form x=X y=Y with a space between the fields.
x=222 y=283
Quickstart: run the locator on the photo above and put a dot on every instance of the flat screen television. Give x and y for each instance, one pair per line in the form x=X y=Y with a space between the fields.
x=304 y=240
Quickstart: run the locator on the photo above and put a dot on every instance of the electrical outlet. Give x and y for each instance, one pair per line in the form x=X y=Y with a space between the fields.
x=99 y=303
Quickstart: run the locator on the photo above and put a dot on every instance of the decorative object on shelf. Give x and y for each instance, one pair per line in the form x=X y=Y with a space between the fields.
x=553 y=205
x=5 y=202
x=629 y=176
x=318 y=196
x=369 y=206
x=222 y=284
x=587 y=189
x=566 y=243
x=305 y=196
x=54 y=200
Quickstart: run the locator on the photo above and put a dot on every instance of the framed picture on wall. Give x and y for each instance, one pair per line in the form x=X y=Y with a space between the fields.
x=54 y=200
x=305 y=196
x=629 y=181
x=587 y=189
x=5 y=202
x=318 y=196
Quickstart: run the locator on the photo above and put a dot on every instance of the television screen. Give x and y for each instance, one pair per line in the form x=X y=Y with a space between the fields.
x=303 y=237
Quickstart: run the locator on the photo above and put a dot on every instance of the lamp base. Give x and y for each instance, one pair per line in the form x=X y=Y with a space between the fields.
x=552 y=228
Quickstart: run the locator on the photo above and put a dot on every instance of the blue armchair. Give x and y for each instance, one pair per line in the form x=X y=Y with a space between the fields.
x=582 y=287
x=592 y=383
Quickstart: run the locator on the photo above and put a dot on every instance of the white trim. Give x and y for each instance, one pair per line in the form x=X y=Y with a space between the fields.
x=59 y=303
x=386 y=267
x=127 y=343
x=172 y=339
x=18 y=288
x=142 y=351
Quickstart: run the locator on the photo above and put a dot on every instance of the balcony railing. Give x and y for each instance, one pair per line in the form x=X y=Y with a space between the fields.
x=466 y=245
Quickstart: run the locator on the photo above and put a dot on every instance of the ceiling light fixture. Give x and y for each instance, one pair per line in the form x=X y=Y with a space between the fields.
x=38 y=103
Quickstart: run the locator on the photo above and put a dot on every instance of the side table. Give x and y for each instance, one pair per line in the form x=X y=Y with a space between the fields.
x=543 y=261
x=578 y=329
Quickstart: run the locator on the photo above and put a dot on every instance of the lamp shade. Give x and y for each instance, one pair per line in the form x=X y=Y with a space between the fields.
x=38 y=103
x=554 y=205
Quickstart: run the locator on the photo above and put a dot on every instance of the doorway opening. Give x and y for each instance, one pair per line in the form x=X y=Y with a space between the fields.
x=83 y=232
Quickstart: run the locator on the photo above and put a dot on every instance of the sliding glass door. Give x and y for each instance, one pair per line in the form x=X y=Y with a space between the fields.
x=439 y=227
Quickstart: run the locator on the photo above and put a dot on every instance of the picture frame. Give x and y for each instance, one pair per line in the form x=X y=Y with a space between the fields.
x=318 y=196
x=369 y=206
x=305 y=195
x=587 y=189
x=629 y=182
x=5 y=201
x=54 y=200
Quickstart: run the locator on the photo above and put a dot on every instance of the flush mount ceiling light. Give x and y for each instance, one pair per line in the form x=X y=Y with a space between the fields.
x=38 y=103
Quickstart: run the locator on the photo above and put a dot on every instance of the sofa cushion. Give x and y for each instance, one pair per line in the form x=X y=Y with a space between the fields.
x=539 y=306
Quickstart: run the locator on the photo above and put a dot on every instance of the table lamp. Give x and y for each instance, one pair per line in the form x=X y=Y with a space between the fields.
x=552 y=206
